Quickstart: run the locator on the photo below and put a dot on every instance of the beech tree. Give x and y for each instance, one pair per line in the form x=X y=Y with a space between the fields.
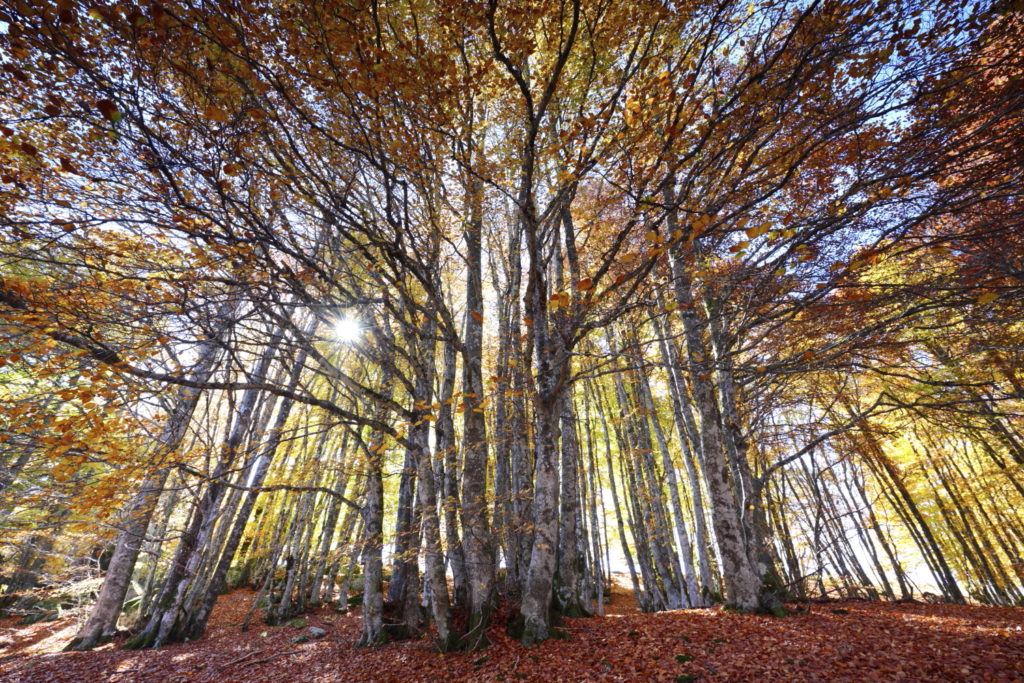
x=316 y=296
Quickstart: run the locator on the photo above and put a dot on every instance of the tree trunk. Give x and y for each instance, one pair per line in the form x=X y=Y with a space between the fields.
x=102 y=622
x=742 y=585
x=477 y=542
x=448 y=456
x=569 y=575
x=162 y=624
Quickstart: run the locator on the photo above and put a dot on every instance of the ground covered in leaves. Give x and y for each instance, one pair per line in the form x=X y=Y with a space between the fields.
x=852 y=640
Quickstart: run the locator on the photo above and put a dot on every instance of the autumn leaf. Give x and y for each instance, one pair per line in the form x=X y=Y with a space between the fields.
x=654 y=237
x=987 y=298
x=757 y=230
x=109 y=110
x=216 y=114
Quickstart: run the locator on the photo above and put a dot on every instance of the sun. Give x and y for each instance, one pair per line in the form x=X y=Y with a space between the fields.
x=348 y=330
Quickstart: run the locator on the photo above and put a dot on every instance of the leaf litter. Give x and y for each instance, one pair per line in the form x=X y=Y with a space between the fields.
x=840 y=641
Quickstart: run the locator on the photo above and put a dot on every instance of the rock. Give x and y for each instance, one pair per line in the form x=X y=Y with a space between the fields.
x=317 y=632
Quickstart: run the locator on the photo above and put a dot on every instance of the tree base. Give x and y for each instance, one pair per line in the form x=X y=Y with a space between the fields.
x=87 y=643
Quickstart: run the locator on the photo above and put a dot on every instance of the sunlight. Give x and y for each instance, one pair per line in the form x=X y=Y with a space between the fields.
x=348 y=330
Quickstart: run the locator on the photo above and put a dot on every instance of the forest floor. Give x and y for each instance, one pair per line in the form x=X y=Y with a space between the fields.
x=837 y=641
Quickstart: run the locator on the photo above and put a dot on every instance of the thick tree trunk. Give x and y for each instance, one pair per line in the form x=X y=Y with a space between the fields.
x=373 y=543
x=549 y=369
x=537 y=595
x=406 y=536
x=753 y=520
x=570 y=572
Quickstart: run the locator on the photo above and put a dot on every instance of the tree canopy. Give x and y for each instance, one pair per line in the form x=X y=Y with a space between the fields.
x=427 y=305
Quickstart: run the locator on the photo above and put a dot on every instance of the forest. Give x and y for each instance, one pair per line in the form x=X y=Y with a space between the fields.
x=512 y=339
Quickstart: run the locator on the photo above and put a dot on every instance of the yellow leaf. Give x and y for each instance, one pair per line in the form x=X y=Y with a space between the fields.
x=757 y=230
x=653 y=236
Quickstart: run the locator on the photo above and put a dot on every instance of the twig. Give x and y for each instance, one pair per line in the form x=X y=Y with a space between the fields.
x=236 y=661
x=267 y=659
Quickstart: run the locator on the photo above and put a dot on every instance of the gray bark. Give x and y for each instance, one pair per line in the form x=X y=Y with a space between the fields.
x=477 y=541
x=569 y=591
x=102 y=622
x=742 y=585
x=686 y=552
x=162 y=624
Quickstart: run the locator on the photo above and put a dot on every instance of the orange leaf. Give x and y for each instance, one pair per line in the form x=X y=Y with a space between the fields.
x=215 y=114
x=987 y=298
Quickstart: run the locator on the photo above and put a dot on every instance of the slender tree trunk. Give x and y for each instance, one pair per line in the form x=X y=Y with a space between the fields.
x=689 y=441
x=477 y=541
x=434 y=555
x=906 y=592
x=447 y=453
x=944 y=575
x=623 y=541
x=197 y=618
x=330 y=526
x=102 y=622
x=685 y=551
x=162 y=624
